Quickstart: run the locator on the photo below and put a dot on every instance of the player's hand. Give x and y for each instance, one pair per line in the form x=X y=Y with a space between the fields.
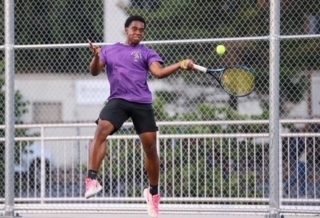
x=187 y=64
x=94 y=49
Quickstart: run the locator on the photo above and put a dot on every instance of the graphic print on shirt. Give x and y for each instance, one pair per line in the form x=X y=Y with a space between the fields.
x=137 y=55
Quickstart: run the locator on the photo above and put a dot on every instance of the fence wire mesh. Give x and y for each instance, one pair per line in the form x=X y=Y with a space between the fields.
x=53 y=85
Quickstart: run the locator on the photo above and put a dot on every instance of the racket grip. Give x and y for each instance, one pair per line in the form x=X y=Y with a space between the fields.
x=200 y=68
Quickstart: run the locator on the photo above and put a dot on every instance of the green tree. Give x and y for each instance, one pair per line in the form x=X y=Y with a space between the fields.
x=1 y=24
x=2 y=166
x=20 y=110
x=56 y=22
x=223 y=19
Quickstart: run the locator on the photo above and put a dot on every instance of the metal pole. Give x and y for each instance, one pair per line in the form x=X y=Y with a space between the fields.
x=9 y=108
x=274 y=135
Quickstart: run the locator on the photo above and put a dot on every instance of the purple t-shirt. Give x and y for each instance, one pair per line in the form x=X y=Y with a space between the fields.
x=128 y=69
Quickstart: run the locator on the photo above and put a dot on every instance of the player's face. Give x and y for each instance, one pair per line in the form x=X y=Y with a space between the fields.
x=135 y=33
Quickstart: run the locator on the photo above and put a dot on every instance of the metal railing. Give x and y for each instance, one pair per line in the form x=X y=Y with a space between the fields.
x=211 y=172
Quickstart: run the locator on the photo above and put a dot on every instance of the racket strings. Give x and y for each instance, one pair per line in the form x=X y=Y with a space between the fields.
x=238 y=81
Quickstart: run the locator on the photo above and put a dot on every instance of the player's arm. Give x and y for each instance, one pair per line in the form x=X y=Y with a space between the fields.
x=96 y=65
x=161 y=72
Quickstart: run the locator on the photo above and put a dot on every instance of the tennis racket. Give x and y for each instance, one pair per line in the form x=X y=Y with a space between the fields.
x=238 y=81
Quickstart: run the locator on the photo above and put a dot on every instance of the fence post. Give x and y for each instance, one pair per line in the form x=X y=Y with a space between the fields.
x=274 y=198
x=9 y=108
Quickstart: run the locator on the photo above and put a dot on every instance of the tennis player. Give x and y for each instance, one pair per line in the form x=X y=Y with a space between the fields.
x=127 y=66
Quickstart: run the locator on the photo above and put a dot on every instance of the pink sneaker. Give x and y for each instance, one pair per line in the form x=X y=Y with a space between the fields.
x=152 y=202
x=92 y=187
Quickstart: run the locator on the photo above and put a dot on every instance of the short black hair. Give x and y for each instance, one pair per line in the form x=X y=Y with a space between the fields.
x=134 y=18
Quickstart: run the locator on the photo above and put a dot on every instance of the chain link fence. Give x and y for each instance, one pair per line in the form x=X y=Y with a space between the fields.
x=53 y=85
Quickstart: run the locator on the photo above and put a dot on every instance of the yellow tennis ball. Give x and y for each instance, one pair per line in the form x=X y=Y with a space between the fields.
x=221 y=49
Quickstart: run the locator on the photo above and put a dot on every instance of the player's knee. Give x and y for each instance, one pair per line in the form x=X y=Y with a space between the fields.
x=105 y=128
x=151 y=150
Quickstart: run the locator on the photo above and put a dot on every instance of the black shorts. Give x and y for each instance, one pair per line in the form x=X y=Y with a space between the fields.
x=117 y=111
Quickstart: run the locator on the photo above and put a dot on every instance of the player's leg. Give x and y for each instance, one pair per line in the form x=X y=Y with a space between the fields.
x=97 y=153
x=145 y=125
x=111 y=118
x=152 y=162
x=98 y=147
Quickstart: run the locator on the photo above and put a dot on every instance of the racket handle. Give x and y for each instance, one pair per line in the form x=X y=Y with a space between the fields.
x=200 y=68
